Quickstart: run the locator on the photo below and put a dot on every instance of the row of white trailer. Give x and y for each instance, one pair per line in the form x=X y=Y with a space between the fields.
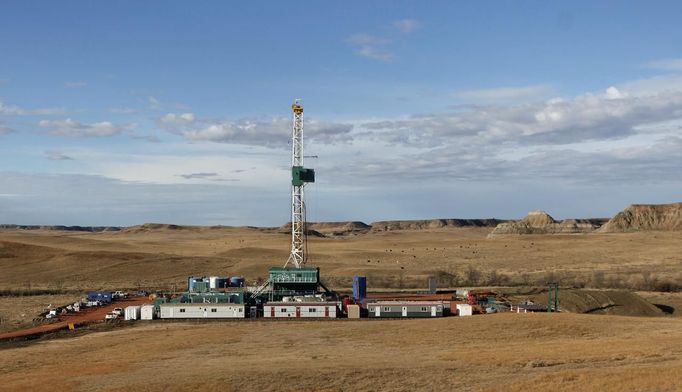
x=380 y=309
x=143 y=312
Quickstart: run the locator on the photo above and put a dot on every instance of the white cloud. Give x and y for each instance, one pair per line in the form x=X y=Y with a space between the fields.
x=74 y=128
x=504 y=94
x=407 y=25
x=14 y=110
x=666 y=65
x=55 y=155
x=608 y=115
x=274 y=132
x=75 y=84
x=375 y=53
x=179 y=118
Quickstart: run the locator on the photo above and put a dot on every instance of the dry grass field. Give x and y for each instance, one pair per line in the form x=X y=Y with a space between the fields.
x=161 y=257
x=505 y=352
x=18 y=312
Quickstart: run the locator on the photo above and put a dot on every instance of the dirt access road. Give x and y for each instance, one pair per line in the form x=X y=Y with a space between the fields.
x=86 y=316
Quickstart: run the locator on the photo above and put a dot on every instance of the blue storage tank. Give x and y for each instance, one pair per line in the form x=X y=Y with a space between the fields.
x=102 y=296
x=236 y=281
x=359 y=287
x=194 y=279
x=222 y=282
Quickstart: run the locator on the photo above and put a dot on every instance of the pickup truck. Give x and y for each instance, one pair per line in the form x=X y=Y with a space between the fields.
x=119 y=295
x=111 y=316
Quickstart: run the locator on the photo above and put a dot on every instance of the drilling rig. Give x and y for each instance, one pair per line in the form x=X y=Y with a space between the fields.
x=295 y=279
x=300 y=176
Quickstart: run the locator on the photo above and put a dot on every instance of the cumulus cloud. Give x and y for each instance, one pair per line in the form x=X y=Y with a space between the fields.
x=75 y=128
x=407 y=25
x=274 y=132
x=181 y=118
x=55 y=155
x=612 y=114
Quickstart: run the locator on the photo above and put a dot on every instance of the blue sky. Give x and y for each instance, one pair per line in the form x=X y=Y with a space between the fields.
x=120 y=113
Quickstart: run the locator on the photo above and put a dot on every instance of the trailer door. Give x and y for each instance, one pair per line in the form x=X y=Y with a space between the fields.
x=433 y=311
x=404 y=311
x=377 y=311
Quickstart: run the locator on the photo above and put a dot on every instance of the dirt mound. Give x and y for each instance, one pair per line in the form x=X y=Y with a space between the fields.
x=612 y=302
x=432 y=224
x=540 y=222
x=615 y=302
x=646 y=217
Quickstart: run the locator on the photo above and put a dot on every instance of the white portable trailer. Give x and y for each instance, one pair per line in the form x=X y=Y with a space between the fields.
x=132 y=313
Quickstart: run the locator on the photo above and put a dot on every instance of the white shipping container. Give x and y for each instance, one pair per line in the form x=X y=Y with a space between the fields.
x=147 y=312
x=464 y=310
x=300 y=310
x=132 y=313
x=201 y=311
x=213 y=282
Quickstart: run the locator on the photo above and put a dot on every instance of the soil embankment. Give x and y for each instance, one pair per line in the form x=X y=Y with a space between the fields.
x=611 y=302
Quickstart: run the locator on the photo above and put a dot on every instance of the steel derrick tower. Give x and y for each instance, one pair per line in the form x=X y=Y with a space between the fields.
x=299 y=177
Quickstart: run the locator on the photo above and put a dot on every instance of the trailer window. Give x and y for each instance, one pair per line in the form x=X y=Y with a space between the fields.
x=312 y=310
x=214 y=310
x=425 y=309
x=387 y=309
x=283 y=310
x=182 y=310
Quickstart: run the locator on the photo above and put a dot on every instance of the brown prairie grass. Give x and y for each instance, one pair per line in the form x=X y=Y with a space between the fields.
x=518 y=352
